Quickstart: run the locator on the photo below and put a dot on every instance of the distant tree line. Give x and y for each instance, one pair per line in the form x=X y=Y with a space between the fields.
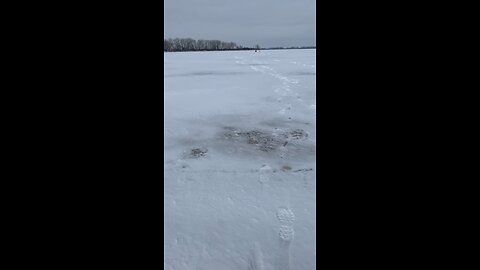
x=189 y=44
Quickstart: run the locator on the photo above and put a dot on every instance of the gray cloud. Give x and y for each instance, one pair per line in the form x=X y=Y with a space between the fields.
x=246 y=22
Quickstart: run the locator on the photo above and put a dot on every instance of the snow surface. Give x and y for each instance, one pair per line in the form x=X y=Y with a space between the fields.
x=240 y=148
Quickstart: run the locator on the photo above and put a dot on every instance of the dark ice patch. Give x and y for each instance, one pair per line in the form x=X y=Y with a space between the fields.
x=263 y=141
x=196 y=153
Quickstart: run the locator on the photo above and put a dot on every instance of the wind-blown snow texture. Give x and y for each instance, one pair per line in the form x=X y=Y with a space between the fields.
x=240 y=147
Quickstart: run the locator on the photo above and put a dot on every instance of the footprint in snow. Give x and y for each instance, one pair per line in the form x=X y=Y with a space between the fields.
x=265 y=172
x=285 y=215
x=285 y=235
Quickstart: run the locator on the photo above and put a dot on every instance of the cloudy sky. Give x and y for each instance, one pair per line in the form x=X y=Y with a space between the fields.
x=268 y=23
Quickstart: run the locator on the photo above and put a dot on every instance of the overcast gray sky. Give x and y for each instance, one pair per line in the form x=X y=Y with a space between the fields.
x=246 y=22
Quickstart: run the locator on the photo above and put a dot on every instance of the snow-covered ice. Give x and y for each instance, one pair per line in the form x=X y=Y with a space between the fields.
x=240 y=147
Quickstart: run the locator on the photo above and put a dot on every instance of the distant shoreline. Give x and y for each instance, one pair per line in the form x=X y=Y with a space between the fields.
x=247 y=49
